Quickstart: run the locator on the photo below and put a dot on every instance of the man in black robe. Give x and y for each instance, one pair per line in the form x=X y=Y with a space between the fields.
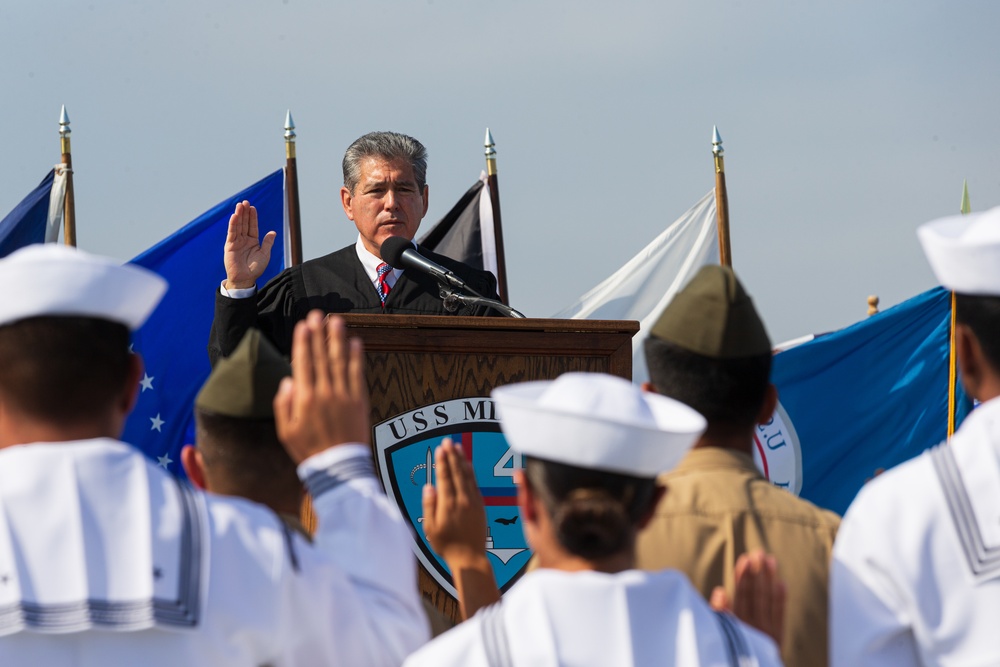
x=384 y=194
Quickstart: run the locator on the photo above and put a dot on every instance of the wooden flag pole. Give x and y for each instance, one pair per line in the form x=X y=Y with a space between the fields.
x=307 y=514
x=491 y=174
x=69 y=205
x=292 y=193
x=721 y=200
x=965 y=208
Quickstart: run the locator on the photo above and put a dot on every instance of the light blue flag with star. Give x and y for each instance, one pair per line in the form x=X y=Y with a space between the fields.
x=174 y=340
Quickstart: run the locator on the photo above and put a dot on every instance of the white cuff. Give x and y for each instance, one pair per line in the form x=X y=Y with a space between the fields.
x=332 y=467
x=244 y=293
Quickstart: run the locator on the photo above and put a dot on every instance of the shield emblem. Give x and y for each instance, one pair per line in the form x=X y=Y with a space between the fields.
x=404 y=447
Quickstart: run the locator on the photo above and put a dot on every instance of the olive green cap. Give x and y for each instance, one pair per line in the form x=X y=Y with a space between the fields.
x=714 y=316
x=243 y=384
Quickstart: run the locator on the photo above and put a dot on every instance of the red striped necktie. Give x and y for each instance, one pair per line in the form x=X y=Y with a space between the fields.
x=383 y=283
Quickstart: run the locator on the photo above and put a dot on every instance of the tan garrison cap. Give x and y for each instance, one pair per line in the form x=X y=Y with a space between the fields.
x=243 y=384
x=714 y=316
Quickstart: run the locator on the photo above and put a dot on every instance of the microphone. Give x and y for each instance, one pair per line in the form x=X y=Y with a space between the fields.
x=399 y=253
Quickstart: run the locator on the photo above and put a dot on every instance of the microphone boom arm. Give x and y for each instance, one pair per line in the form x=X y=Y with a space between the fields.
x=452 y=299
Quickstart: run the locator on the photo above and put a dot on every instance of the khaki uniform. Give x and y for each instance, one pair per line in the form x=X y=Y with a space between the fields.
x=717 y=507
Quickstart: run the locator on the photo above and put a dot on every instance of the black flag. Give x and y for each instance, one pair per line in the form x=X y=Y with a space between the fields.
x=462 y=234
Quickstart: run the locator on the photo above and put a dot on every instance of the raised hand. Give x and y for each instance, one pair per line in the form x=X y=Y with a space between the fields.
x=759 y=600
x=455 y=525
x=245 y=256
x=325 y=402
x=454 y=514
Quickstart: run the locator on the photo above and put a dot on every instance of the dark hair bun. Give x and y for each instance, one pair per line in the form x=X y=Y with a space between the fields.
x=592 y=524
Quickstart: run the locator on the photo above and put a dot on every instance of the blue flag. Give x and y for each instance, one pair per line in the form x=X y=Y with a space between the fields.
x=27 y=222
x=174 y=341
x=863 y=399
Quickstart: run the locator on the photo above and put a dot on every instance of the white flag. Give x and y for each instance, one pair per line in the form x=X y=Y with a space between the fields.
x=643 y=287
x=57 y=201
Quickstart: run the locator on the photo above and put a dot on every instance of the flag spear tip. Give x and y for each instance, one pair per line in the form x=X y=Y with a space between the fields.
x=966 y=207
x=289 y=126
x=716 y=141
x=491 y=151
x=64 y=122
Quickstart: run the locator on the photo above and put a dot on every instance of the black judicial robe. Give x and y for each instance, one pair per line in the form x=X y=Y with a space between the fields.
x=335 y=283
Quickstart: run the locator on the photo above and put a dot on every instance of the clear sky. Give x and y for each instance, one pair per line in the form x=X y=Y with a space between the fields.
x=846 y=125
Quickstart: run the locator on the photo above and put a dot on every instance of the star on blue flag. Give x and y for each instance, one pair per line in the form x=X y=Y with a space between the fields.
x=157 y=423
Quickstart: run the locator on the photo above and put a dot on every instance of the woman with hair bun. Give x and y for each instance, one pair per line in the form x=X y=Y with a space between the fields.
x=592 y=446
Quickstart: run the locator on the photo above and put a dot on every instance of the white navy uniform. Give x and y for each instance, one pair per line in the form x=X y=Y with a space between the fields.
x=552 y=617
x=916 y=565
x=105 y=559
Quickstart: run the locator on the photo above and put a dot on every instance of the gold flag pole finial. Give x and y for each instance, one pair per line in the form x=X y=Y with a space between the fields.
x=873 y=305
x=64 y=131
x=491 y=178
x=721 y=200
x=69 y=202
x=718 y=151
x=289 y=135
x=491 y=154
x=966 y=208
x=294 y=240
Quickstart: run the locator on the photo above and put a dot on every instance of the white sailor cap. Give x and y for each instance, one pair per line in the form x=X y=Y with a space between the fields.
x=964 y=251
x=53 y=279
x=593 y=420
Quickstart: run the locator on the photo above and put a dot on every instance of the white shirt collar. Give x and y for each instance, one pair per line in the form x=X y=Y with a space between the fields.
x=370 y=262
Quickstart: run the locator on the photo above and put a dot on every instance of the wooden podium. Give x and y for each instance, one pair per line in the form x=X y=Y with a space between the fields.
x=424 y=360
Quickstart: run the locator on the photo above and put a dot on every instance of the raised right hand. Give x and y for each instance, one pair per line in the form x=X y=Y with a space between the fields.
x=454 y=513
x=759 y=599
x=245 y=256
x=455 y=525
x=325 y=401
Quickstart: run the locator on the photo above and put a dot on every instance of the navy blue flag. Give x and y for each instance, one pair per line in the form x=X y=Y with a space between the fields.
x=861 y=400
x=27 y=222
x=174 y=341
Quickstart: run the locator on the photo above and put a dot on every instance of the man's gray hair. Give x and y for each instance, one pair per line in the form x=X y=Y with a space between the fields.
x=388 y=146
